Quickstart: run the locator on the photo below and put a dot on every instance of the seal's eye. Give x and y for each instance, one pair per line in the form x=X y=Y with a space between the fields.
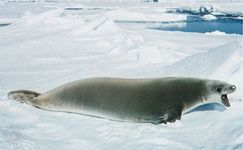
x=219 y=89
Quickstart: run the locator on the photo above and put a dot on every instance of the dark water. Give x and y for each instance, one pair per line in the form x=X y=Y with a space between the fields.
x=227 y=25
x=192 y=24
x=4 y=24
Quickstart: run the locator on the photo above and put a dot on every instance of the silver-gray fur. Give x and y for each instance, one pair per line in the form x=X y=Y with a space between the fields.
x=157 y=100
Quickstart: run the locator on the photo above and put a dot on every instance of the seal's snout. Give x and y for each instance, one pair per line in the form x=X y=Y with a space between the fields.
x=229 y=89
x=233 y=87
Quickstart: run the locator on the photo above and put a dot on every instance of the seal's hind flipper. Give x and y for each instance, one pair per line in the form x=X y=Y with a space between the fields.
x=22 y=95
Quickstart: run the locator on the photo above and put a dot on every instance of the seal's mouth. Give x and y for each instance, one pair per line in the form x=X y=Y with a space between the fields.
x=225 y=100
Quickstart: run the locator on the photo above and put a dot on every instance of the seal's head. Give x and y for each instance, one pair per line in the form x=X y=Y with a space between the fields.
x=219 y=90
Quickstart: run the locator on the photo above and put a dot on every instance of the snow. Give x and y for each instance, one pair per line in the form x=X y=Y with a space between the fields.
x=46 y=46
x=209 y=17
x=126 y=15
x=215 y=33
x=2 y=4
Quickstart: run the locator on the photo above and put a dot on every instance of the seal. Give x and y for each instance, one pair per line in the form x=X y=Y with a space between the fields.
x=154 y=100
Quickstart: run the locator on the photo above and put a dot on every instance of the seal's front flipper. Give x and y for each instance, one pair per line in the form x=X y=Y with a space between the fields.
x=174 y=114
x=159 y=120
x=171 y=115
x=22 y=95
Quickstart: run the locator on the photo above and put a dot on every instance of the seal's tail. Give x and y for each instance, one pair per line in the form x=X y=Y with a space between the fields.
x=22 y=95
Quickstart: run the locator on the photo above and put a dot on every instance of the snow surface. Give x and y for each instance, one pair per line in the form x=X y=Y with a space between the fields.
x=209 y=17
x=46 y=46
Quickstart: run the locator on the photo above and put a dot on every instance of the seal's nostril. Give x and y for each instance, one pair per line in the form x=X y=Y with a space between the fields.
x=233 y=87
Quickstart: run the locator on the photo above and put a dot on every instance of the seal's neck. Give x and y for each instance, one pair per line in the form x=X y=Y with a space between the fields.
x=188 y=108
